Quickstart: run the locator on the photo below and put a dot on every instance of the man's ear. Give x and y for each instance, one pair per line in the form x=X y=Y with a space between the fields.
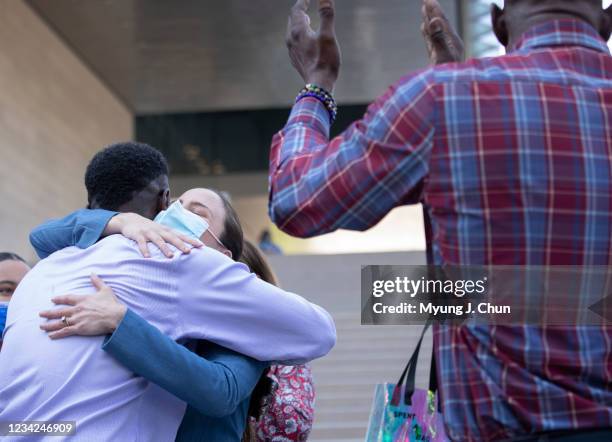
x=163 y=200
x=498 y=20
x=605 y=25
x=227 y=253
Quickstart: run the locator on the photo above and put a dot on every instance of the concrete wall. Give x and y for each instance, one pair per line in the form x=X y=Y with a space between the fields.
x=54 y=115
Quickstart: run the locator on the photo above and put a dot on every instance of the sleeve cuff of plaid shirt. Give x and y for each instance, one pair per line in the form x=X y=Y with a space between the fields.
x=307 y=116
x=311 y=112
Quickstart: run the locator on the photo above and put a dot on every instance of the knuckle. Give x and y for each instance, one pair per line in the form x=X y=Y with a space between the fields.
x=327 y=11
x=438 y=36
x=294 y=36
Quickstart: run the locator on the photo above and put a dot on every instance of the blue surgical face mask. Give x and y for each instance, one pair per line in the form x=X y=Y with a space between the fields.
x=182 y=220
x=3 y=311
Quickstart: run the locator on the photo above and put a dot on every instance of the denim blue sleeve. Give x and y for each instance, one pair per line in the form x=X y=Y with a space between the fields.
x=82 y=228
x=214 y=386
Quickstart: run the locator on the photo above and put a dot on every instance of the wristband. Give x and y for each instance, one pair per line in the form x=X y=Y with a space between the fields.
x=312 y=90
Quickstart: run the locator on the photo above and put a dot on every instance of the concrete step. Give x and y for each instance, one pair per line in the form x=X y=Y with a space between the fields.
x=369 y=346
x=339 y=430
x=348 y=382
x=346 y=367
x=335 y=439
x=346 y=390
x=361 y=400
x=310 y=439
x=324 y=408
x=392 y=367
x=361 y=359
x=342 y=414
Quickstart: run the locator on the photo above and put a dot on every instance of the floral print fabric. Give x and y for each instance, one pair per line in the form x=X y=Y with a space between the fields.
x=288 y=411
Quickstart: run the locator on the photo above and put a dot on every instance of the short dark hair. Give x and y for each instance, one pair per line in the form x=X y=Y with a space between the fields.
x=10 y=256
x=119 y=171
x=232 y=236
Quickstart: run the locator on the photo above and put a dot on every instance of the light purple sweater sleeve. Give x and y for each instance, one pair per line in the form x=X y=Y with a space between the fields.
x=221 y=301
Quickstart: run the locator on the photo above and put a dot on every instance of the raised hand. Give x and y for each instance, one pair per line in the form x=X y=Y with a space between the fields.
x=443 y=44
x=315 y=55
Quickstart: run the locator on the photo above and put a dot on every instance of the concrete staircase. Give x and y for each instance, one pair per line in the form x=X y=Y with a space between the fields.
x=364 y=355
x=345 y=380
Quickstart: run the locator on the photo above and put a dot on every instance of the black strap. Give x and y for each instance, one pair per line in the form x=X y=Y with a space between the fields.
x=411 y=379
x=408 y=376
x=433 y=376
x=409 y=373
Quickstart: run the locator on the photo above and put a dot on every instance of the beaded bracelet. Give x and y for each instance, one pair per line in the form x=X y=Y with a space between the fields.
x=312 y=90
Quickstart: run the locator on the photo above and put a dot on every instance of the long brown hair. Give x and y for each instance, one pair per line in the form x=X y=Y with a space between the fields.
x=258 y=264
x=255 y=260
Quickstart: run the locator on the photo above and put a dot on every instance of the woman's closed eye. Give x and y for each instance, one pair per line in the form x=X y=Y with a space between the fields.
x=201 y=210
x=7 y=288
x=203 y=213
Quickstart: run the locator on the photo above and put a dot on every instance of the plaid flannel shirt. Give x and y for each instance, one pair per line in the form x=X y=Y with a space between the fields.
x=511 y=158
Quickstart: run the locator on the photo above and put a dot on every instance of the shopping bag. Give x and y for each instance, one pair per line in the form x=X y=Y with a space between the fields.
x=401 y=413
